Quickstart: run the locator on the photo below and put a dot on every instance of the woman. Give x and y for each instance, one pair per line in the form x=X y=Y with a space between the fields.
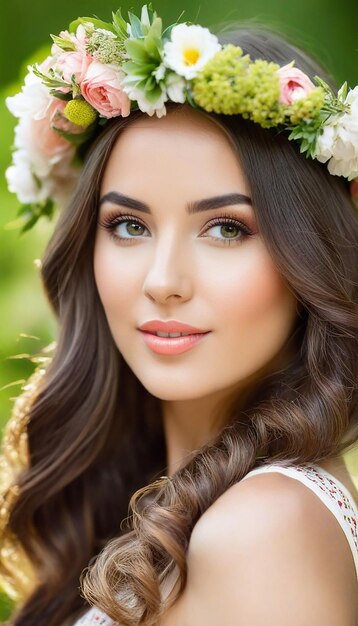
x=141 y=444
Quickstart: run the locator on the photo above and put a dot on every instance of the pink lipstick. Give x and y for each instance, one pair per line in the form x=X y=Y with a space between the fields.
x=168 y=344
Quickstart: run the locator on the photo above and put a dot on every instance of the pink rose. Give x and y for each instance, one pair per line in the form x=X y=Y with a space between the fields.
x=73 y=63
x=101 y=87
x=48 y=141
x=294 y=84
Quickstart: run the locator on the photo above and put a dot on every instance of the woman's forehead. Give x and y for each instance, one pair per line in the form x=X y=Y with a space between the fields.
x=186 y=142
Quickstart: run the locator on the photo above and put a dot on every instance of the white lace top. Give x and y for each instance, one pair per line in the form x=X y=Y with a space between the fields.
x=329 y=489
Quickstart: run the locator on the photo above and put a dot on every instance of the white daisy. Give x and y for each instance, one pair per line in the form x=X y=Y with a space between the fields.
x=190 y=48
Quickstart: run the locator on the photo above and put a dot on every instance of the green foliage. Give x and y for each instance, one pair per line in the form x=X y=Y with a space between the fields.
x=146 y=55
x=6 y=607
x=119 y=25
x=29 y=214
x=65 y=44
x=97 y=23
x=50 y=79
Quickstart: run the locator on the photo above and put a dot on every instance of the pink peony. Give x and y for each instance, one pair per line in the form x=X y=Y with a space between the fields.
x=101 y=87
x=294 y=84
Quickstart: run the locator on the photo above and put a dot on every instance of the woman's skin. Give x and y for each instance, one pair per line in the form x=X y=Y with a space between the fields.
x=172 y=268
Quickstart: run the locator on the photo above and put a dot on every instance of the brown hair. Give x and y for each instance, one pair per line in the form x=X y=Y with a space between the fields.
x=95 y=435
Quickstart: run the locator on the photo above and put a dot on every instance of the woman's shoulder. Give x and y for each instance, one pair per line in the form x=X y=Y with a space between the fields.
x=265 y=534
x=267 y=494
x=280 y=495
x=271 y=532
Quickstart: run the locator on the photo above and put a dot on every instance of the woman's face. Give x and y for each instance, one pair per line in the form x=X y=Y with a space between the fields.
x=177 y=240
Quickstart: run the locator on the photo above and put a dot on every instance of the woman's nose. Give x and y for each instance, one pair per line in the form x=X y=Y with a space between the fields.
x=170 y=273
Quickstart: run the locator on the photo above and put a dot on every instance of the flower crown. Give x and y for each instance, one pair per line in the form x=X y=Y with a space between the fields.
x=99 y=70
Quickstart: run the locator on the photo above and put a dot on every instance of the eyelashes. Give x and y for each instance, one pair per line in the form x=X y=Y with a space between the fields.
x=111 y=223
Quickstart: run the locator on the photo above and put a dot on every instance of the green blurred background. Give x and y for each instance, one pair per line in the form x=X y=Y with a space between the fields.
x=327 y=28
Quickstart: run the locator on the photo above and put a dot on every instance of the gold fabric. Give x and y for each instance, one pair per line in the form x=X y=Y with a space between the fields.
x=17 y=577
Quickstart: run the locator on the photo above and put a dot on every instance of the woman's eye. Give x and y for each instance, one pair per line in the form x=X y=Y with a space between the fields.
x=125 y=229
x=223 y=230
x=227 y=231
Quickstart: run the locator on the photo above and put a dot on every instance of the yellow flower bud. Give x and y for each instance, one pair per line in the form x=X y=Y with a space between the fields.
x=80 y=112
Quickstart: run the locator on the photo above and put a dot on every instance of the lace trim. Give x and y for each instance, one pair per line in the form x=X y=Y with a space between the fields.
x=95 y=617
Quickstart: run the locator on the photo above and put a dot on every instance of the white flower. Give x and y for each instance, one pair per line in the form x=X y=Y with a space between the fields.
x=31 y=187
x=144 y=105
x=348 y=169
x=41 y=155
x=339 y=140
x=190 y=49
x=159 y=73
x=21 y=181
x=325 y=143
x=33 y=99
x=106 y=32
x=175 y=86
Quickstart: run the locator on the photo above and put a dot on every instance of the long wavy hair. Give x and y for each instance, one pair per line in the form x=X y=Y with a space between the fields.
x=95 y=492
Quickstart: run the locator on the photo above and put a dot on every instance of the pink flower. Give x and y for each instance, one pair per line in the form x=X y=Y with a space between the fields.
x=48 y=141
x=294 y=84
x=80 y=40
x=73 y=63
x=102 y=88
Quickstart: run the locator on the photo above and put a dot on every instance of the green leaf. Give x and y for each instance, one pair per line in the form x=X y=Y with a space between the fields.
x=47 y=80
x=120 y=25
x=29 y=224
x=153 y=94
x=136 y=25
x=190 y=99
x=7 y=606
x=153 y=47
x=156 y=28
x=25 y=208
x=76 y=139
x=64 y=44
x=61 y=95
x=141 y=71
x=344 y=91
x=145 y=18
x=136 y=50
x=131 y=69
x=97 y=23
x=142 y=84
x=168 y=32
x=326 y=88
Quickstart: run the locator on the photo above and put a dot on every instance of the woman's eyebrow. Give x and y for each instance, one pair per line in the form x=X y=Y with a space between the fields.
x=193 y=207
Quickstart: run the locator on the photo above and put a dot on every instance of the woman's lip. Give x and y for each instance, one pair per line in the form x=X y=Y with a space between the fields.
x=169 y=326
x=172 y=345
